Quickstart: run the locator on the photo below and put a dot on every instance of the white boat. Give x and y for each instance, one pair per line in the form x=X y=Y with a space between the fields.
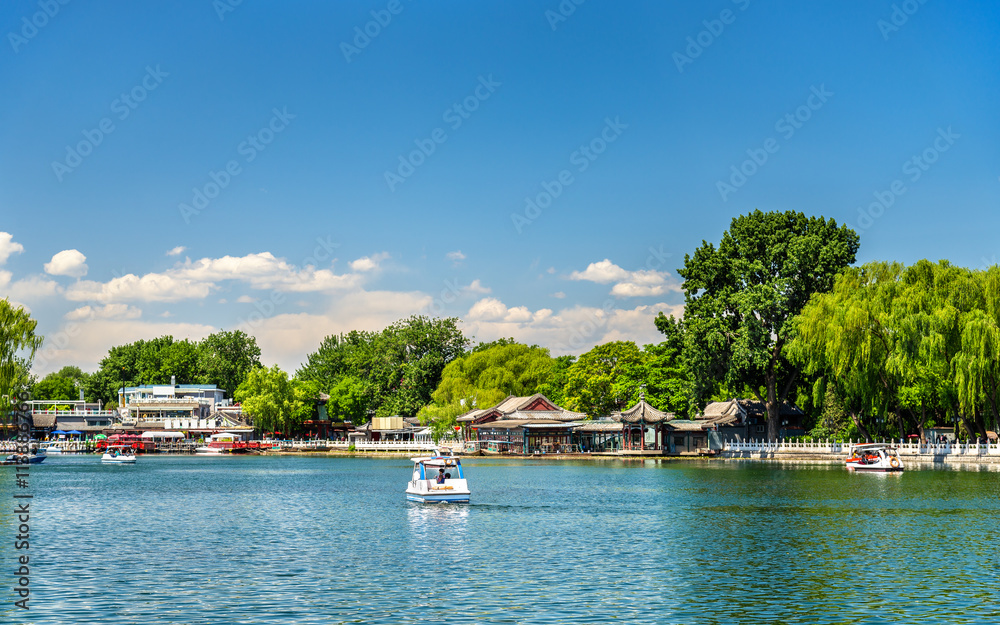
x=438 y=479
x=51 y=447
x=873 y=457
x=118 y=454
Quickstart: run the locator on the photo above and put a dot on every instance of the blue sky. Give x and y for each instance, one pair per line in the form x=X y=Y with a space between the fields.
x=359 y=178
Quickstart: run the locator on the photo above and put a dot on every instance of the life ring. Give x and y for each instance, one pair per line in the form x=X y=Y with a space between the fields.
x=894 y=462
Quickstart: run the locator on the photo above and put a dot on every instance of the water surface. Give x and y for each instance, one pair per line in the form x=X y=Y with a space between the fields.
x=333 y=540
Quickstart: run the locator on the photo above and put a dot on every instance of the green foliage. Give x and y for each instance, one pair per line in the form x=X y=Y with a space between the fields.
x=144 y=362
x=669 y=385
x=606 y=379
x=741 y=299
x=554 y=387
x=905 y=347
x=18 y=344
x=225 y=359
x=396 y=369
x=484 y=377
x=268 y=396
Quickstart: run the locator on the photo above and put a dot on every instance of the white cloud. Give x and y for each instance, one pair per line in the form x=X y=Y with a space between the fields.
x=457 y=256
x=197 y=279
x=108 y=311
x=152 y=287
x=177 y=251
x=567 y=331
x=602 y=273
x=246 y=299
x=70 y=263
x=8 y=247
x=487 y=309
x=559 y=295
x=477 y=287
x=641 y=283
x=4 y=278
x=33 y=287
x=369 y=263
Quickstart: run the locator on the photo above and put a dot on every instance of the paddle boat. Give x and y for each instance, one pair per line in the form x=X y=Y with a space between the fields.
x=119 y=454
x=873 y=457
x=438 y=479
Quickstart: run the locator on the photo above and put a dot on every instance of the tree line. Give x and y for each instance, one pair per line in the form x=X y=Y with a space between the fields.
x=776 y=311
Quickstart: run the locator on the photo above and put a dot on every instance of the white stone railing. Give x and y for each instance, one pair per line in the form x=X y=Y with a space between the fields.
x=840 y=447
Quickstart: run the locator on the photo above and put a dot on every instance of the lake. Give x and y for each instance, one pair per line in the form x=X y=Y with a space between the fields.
x=186 y=539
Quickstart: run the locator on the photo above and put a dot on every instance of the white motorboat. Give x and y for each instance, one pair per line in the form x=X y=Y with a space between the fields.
x=51 y=447
x=874 y=457
x=118 y=454
x=438 y=479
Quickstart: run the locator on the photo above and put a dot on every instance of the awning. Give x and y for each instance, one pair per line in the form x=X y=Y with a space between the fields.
x=162 y=435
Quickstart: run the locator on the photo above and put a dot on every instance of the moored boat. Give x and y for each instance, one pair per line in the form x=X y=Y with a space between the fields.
x=438 y=479
x=873 y=457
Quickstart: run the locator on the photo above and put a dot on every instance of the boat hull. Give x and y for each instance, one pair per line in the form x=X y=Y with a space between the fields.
x=118 y=460
x=450 y=497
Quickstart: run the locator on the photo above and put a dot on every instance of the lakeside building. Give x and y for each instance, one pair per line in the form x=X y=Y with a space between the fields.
x=746 y=419
x=157 y=402
x=522 y=425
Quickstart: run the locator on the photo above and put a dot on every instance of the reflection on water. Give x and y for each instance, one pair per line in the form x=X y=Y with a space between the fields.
x=323 y=540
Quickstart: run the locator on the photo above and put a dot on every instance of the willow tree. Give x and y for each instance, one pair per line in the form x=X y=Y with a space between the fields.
x=268 y=396
x=976 y=364
x=847 y=337
x=742 y=296
x=18 y=344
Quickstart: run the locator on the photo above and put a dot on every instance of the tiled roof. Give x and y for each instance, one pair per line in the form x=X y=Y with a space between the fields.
x=600 y=426
x=643 y=412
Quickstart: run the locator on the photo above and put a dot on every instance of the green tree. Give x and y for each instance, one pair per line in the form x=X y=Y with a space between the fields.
x=741 y=298
x=18 y=344
x=606 y=379
x=484 y=377
x=400 y=366
x=669 y=381
x=225 y=359
x=268 y=396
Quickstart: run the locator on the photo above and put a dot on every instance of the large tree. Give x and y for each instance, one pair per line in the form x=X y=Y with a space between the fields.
x=399 y=366
x=484 y=377
x=741 y=297
x=64 y=384
x=225 y=359
x=606 y=379
x=268 y=396
x=18 y=344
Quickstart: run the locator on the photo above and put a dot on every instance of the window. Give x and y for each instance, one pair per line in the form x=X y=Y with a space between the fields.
x=760 y=429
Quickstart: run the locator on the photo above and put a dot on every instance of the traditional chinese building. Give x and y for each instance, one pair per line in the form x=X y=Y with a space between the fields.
x=643 y=427
x=522 y=425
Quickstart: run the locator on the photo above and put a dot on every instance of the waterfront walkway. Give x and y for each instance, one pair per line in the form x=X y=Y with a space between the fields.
x=953 y=452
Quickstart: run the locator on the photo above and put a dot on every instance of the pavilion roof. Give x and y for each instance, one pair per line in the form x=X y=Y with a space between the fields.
x=642 y=412
x=599 y=426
